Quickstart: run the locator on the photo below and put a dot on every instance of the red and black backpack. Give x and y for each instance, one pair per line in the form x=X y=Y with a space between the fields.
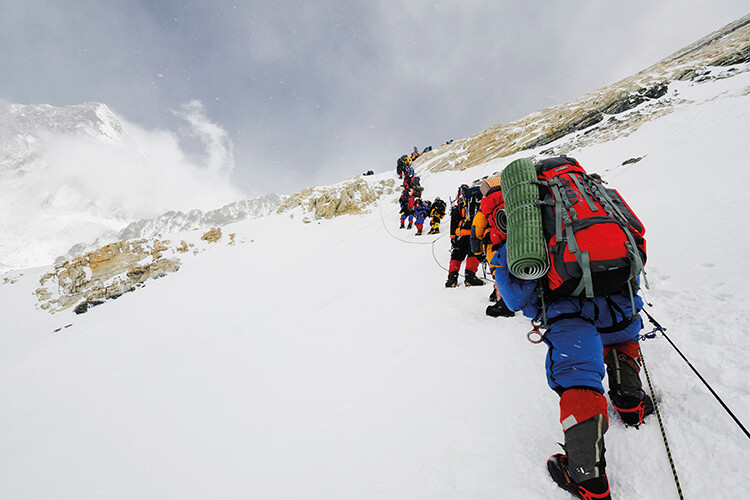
x=596 y=243
x=493 y=207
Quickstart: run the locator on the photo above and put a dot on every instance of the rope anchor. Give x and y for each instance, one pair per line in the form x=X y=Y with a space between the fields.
x=535 y=336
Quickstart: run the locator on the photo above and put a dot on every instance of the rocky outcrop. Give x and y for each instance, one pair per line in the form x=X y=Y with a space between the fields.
x=105 y=273
x=351 y=197
x=212 y=235
x=603 y=113
x=117 y=268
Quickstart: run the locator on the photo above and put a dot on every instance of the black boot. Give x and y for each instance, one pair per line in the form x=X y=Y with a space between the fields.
x=499 y=309
x=493 y=295
x=471 y=279
x=581 y=470
x=452 y=280
x=626 y=390
x=402 y=225
x=559 y=469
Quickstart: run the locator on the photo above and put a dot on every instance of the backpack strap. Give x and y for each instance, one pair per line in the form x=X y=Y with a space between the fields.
x=564 y=204
x=636 y=267
x=585 y=193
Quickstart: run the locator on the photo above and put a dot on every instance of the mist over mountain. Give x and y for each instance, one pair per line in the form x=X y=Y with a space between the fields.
x=76 y=173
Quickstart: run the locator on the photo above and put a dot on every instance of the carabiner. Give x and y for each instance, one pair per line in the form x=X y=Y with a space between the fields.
x=535 y=336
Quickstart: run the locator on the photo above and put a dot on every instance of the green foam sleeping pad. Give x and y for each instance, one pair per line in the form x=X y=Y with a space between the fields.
x=526 y=248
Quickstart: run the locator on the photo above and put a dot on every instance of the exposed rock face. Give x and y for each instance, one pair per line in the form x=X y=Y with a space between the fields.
x=599 y=112
x=213 y=235
x=115 y=269
x=105 y=273
x=350 y=197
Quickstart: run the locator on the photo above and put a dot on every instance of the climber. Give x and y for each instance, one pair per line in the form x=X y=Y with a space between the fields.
x=463 y=211
x=437 y=212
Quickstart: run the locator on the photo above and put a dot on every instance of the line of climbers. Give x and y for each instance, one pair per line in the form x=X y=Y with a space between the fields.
x=588 y=302
x=414 y=210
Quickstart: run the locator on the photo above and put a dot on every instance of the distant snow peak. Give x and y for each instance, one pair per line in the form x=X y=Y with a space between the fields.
x=23 y=126
x=174 y=221
x=75 y=174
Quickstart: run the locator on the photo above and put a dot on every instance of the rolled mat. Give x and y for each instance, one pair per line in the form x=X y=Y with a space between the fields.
x=526 y=248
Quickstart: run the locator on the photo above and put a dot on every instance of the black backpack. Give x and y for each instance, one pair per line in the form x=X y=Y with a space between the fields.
x=472 y=201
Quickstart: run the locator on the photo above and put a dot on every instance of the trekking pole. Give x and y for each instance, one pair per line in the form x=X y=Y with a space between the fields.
x=661 y=329
x=661 y=425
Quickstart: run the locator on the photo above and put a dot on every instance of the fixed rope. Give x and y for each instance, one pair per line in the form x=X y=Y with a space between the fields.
x=432 y=243
x=661 y=425
x=662 y=330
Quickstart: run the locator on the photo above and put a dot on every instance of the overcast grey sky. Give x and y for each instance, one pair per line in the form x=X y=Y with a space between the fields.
x=312 y=92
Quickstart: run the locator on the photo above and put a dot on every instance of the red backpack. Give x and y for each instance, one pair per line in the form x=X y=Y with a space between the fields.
x=596 y=243
x=493 y=208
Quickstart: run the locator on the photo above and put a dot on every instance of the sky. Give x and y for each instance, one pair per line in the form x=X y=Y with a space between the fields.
x=311 y=93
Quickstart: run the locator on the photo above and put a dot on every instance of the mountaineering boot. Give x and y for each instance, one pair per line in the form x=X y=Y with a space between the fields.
x=493 y=295
x=581 y=470
x=499 y=309
x=402 y=225
x=452 y=280
x=471 y=279
x=591 y=489
x=419 y=232
x=409 y=226
x=625 y=388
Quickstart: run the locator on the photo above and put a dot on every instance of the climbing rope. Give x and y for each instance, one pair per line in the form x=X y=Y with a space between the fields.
x=662 y=330
x=661 y=425
x=432 y=243
x=385 y=226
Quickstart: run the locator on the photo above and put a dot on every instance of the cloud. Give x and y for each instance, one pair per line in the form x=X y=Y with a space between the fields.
x=219 y=148
x=302 y=83
x=64 y=188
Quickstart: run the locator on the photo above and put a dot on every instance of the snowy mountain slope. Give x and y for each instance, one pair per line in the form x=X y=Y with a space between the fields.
x=327 y=360
x=600 y=111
